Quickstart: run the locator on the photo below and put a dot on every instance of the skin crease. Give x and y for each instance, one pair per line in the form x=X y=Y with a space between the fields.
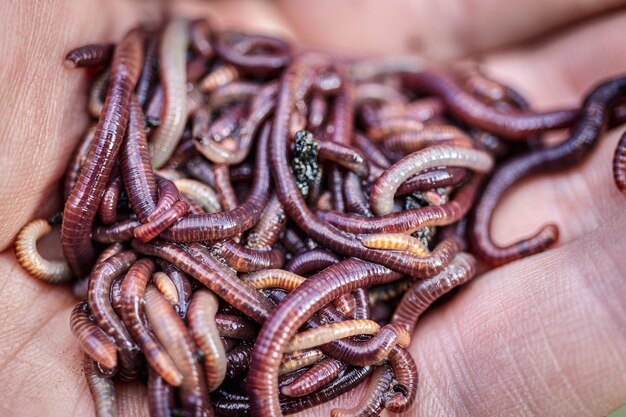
x=564 y=353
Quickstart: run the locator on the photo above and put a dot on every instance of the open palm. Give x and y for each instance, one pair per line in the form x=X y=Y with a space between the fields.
x=543 y=336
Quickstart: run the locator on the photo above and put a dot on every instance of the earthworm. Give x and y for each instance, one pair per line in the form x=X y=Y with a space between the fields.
x=105 y=317
x=80 y=287
x=619 y=164
x=203 y=328
x=97 y=93
x=344 y=155
x=271 y=224
x=509 y=124
x=92 y=55
x=238 y=360
x=338 y=279
x=593 y=117
x=320 y=374
x=160 y=395
x=224 y=187
x=93 y=341
x=132 y=312
x=29 y=258
x=139 y=180
x=372 y=68
x=200 y=193
x=389 y=291
x=233 y=92
x=199 y=34
x=164 y=284
x=393 y=126
x=336 y=189
x=405 y=372
x=411 y=220
x=371 y=150
x=182 y=284
x=318 y=111
x=77 y=161
x=432 y=179
x=354 y=198
x=423 y=293
x=172 y=71
x=154 y=106
x=102 y=390
x=243 y=259
x=385 y=187
x=329 y=332
x=213 y=275
x=148 y=231
x=168 y=195
x=110 y=198
x=215 y=226
x=118 y=232
x=362 y=306
x=299 y=359
x=428 y=136
x=377 y=92
x=172 y=333
x=221 y=75
x=149 y=69
x=84 y=199
x=422 y=109
x=372 y=400
x=274 y=278
x=395 y=241
x=241 y=49
x=235 y=327
x=311 y=261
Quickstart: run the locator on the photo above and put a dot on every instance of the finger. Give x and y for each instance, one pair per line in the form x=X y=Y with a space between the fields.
x=439 y=30
x=43 y=112
x=559 y=73
x=555 y=347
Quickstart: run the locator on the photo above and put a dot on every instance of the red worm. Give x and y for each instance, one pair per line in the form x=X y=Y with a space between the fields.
x=311 y=261
x=100 y=283
x=215 y=226
x=199 y=35
x=102 y=390
x=149 y=69
x=160 y=395
x=171 y=331
x=595 y=111
x=423 y=293
x=94 y=342
x=515 y=125
x=320 y=374
x=355 y=199
x=84 y=199
x=432 y=179
x=147 y=232
x=243 y=259
x=78 y=160
x=271 y=224
x=214 y=275
x=168 y=195
x=133 y=289
x=372 y=400
x=110 y=198
x=93 y=55
x=405 y=372
x=240 y=50
x=135 y=165
x=118 y=232
x=236 y=327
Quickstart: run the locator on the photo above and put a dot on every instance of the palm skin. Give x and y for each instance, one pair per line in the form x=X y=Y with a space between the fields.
x=542 y=336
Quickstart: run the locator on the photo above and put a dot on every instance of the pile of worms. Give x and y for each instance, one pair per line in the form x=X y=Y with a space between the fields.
x=255 y=230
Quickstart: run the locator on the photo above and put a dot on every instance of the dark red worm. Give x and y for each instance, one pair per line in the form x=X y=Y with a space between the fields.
x=224 y=187
x=110 y=198
x=172 y=332
x=93 y=341
x=292 y=242
x=132 y=311
x=182 y=284
x=100 y=304
x=102 y=390
x=372 y=400
x=320 y=374
x=199 y=35
x=512 y=125
x=423 y=293
x=408 y=220
x=243 y=51
x=235 y=93
x=594 y=113
x=238 y=360
x=135 y=165
x=311 y=261
x=148 y=70
x=270 y=226
x=119 y=232
x=236 y=327
x=168 y=195
x=291 y=313
x=355 y=199
x=370 y=149
x=77 y=162
x=432 y=179
x=160 y=395
x=92 y=55
x=336 y=189
x=214 y=275
x=215 y=226
x=243 y=259
x=405 y=372
x=619 y=164
x=84 y=199
x=148 y=231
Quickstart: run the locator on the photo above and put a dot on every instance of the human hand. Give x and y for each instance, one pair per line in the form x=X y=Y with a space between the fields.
x=542 y=336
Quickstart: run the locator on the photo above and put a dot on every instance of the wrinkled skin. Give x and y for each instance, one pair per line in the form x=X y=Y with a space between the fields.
x=543 y=336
